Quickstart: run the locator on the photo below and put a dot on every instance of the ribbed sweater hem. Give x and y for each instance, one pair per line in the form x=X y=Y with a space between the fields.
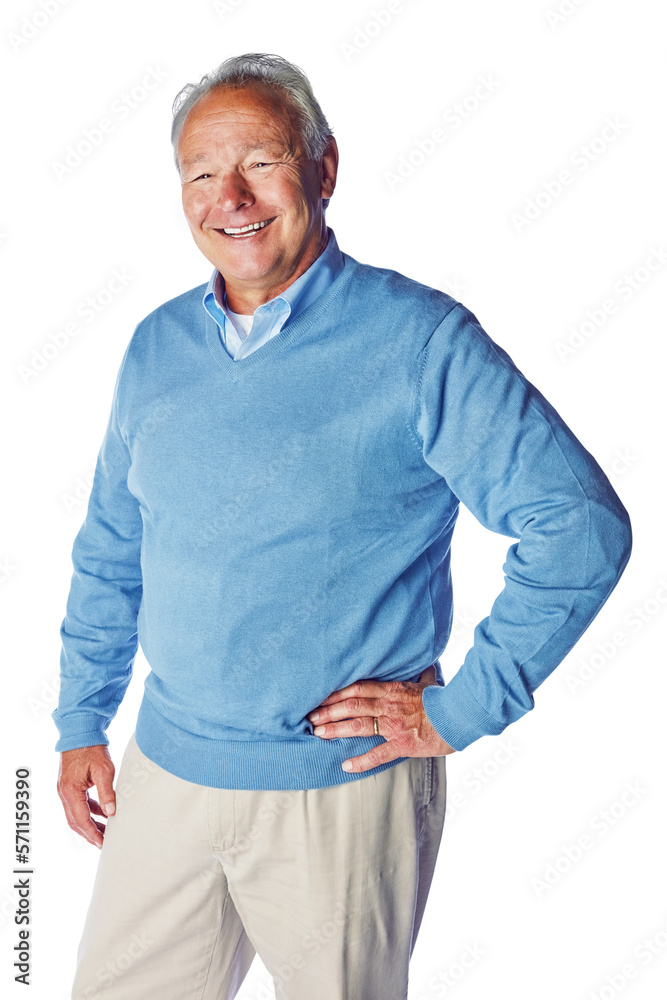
x=296 y=762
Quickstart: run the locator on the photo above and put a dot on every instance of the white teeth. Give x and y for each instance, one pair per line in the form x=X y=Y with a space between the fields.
x=246 y=229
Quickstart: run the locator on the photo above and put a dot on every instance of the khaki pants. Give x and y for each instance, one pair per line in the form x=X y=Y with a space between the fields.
x=327 y=885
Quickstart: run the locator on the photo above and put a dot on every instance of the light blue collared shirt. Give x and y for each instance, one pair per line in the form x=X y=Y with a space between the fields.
x=269 y=318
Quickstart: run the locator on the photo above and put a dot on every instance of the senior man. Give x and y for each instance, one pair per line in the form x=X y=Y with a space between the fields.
x=271 y=519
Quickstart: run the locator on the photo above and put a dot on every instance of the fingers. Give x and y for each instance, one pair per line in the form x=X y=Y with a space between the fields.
x=79 y=770
x=95 y=807
x=79 y=818
x=378 y=755
x=346 y=709
x=360 y=726
x=364 y=688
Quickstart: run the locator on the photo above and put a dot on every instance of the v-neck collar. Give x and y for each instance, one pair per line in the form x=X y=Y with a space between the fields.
x=291 y=330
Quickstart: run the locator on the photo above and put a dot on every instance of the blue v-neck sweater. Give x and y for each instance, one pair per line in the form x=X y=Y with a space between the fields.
x=274 y=528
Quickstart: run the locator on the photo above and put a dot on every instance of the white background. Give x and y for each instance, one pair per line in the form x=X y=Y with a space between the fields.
x=452 y=224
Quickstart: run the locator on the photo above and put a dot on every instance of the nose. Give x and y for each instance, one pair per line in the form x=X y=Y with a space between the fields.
x=234 y=192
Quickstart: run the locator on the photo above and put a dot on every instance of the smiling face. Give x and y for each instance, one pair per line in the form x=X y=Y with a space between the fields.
x=242 y=162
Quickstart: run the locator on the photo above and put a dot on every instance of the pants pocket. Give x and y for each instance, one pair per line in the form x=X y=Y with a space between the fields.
x=428 y=781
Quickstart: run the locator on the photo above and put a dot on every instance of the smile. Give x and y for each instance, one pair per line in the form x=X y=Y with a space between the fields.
x=245 y=231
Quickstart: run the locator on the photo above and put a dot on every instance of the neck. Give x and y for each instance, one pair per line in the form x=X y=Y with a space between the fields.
x=244 y=299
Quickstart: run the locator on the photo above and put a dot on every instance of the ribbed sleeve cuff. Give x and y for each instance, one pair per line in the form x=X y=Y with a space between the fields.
x=83 y=730
x=455 y=714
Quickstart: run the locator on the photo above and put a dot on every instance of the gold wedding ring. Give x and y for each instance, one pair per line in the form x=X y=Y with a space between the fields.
x=376 y=728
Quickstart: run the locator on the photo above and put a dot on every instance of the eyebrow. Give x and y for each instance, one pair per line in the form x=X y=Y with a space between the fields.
x=247 y=147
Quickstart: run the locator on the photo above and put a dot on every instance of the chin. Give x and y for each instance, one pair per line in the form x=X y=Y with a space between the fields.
x=249 y=270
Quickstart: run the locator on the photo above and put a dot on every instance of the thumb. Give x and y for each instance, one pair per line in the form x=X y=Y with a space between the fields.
x=106 y=795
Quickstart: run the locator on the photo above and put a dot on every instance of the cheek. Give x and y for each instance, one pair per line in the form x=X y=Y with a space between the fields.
x=289 y=190
x=196 y=208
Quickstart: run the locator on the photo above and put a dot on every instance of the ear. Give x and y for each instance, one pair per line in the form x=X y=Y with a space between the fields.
x=329 y=168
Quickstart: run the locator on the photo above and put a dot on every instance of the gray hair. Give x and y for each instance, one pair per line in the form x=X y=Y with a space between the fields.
x=288 y=79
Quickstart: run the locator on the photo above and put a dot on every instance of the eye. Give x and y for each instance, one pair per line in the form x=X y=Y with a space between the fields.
x=262 y=164
x=202 y=175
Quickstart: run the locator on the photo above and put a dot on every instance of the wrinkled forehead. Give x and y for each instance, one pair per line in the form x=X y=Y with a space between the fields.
x=245 y=117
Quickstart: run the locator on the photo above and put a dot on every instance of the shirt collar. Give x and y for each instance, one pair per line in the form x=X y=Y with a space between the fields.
x=296 y=297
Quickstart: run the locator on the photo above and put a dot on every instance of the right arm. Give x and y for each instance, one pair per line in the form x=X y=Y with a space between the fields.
x=99 y=632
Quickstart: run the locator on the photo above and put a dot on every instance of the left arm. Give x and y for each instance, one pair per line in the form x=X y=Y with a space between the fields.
x=510 y=458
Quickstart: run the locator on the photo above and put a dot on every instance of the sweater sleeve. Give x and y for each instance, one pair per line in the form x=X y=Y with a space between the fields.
x=508 y=456
x=99 y=631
